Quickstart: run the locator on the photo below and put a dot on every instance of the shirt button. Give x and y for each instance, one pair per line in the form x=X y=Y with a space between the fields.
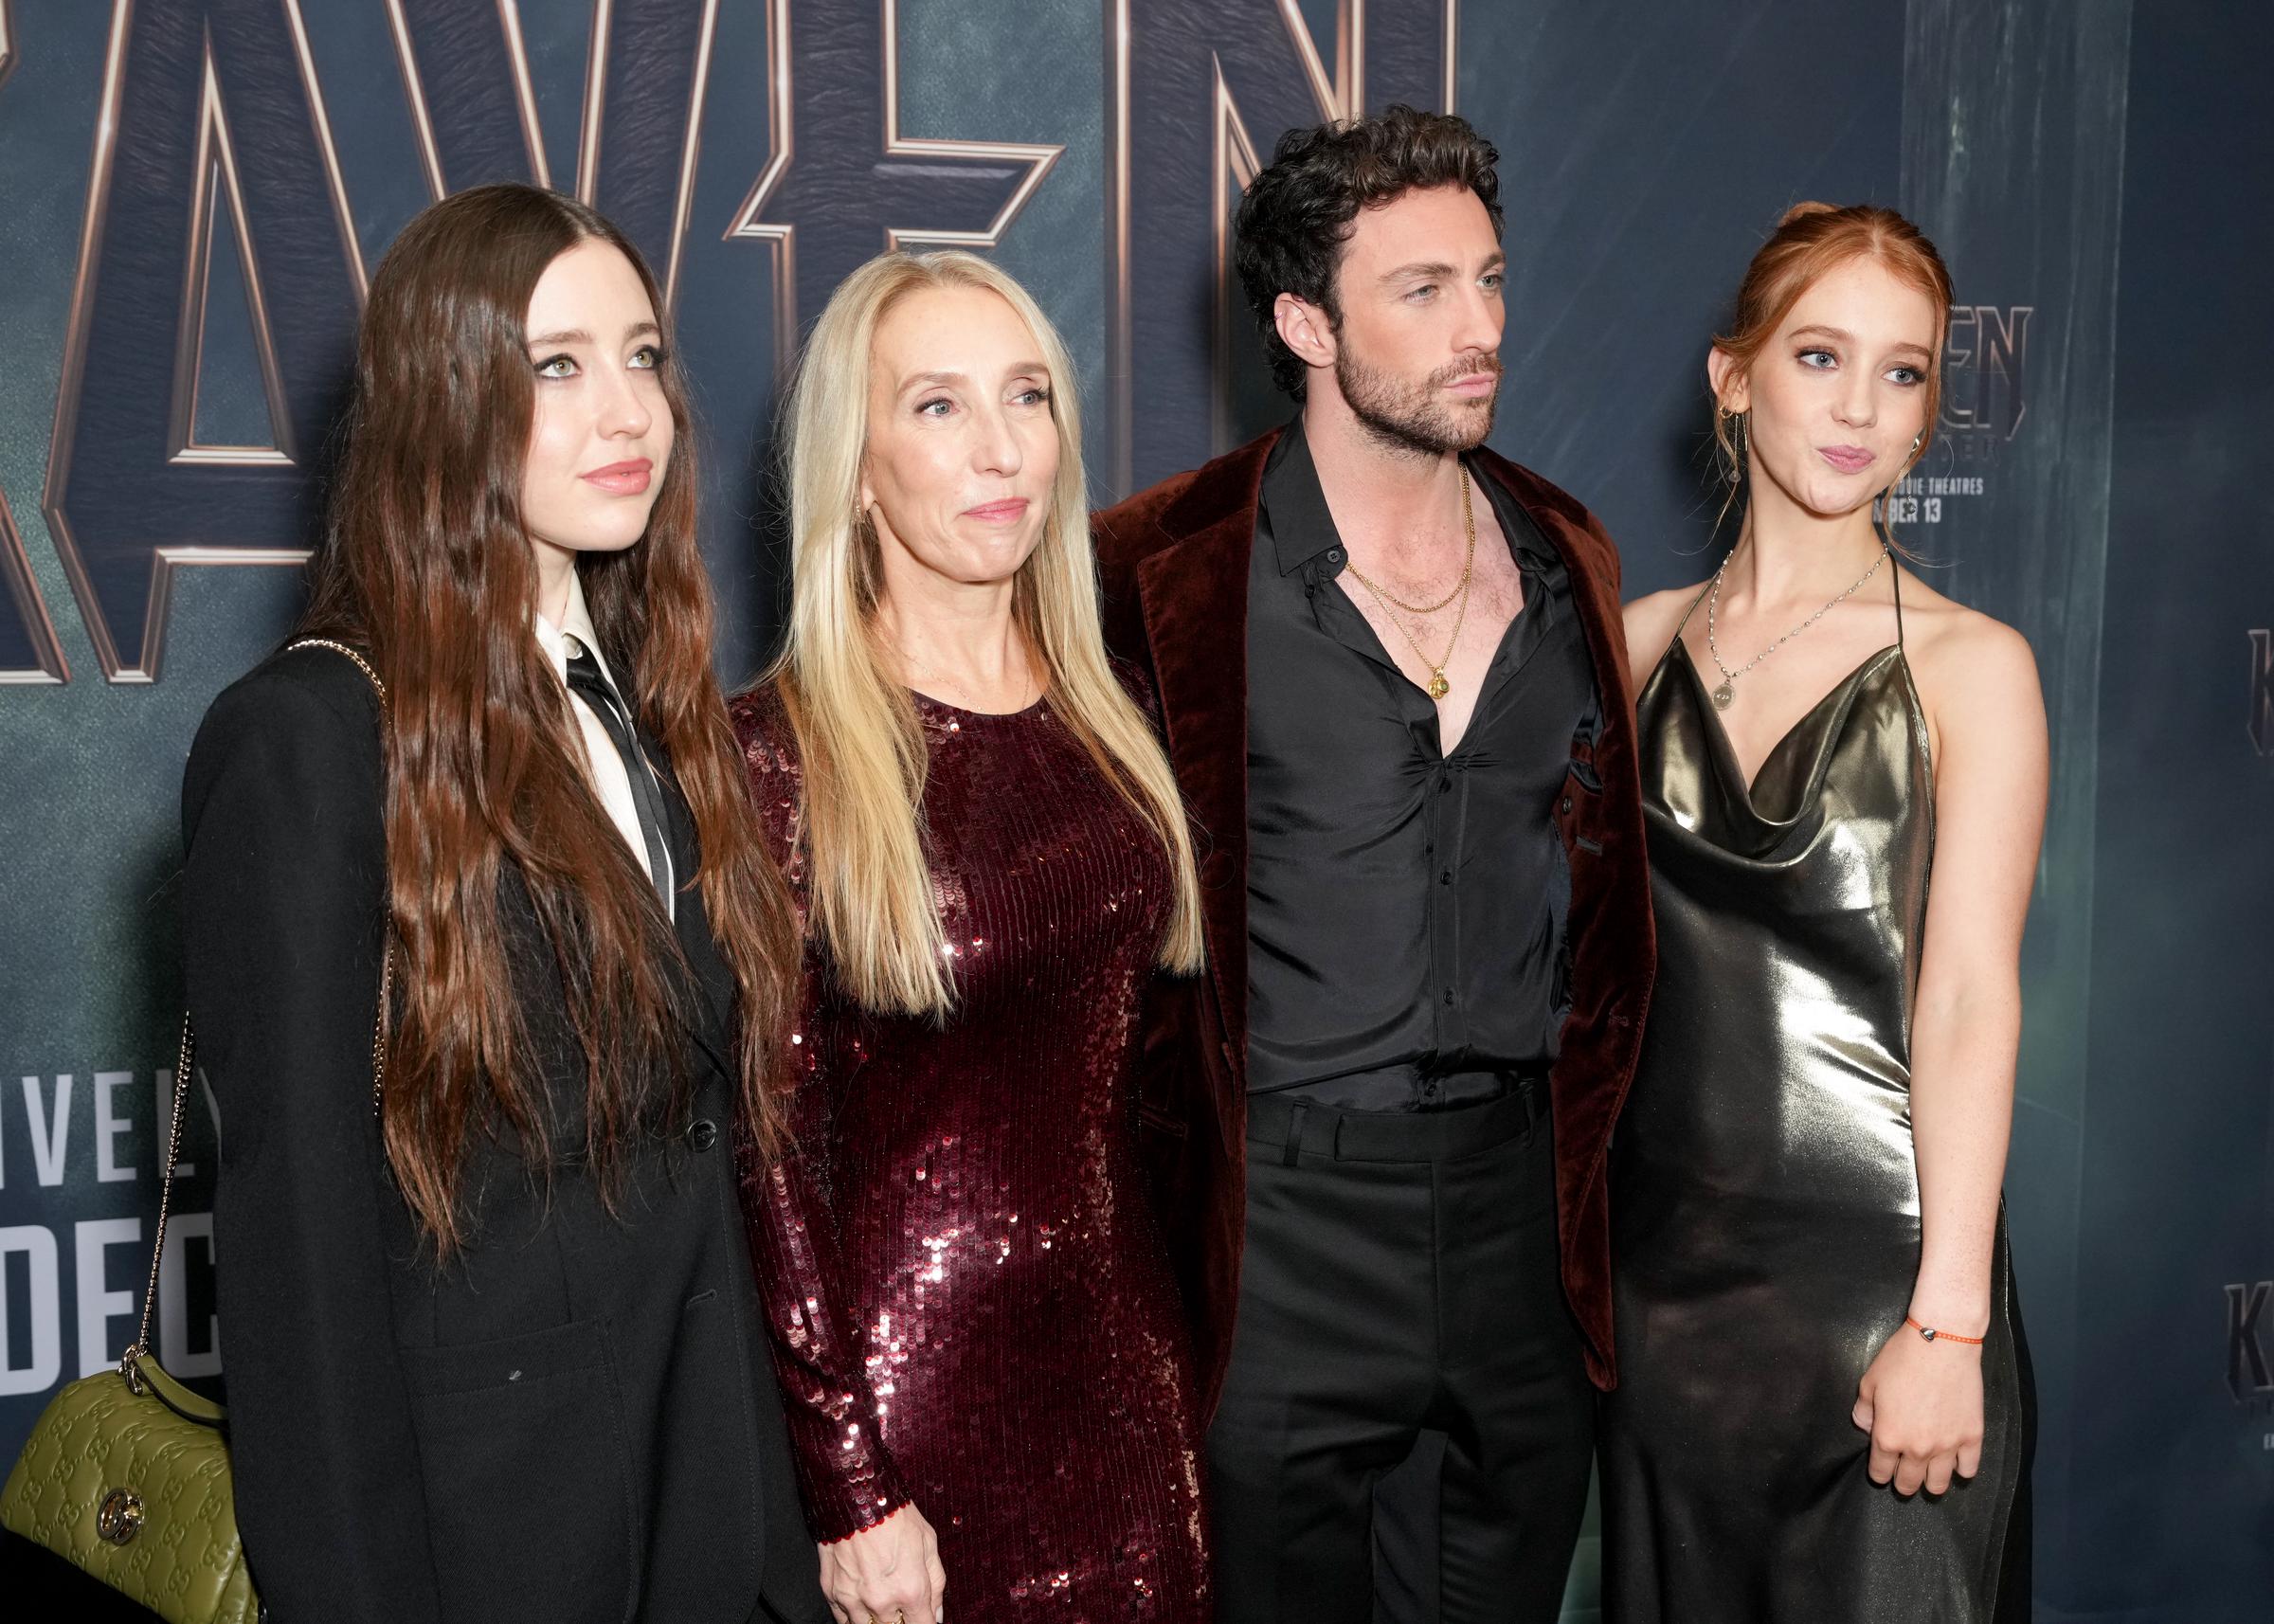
x=1334 y=555
x=703 y=1134
x=1449 y=995
x=1445 y=879
x=1567 y=804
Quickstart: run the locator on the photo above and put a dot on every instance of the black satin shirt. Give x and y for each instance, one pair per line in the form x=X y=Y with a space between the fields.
x=1406 y=908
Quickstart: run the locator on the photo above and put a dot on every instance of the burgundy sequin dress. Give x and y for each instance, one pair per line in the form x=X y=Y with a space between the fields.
x=971 y=1304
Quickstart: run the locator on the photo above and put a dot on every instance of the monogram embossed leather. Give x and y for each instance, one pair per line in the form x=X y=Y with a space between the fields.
x=165 y=1447
x=129 y=1480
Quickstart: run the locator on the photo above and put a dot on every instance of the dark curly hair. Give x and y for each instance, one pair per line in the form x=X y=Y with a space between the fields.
x=1298 y=214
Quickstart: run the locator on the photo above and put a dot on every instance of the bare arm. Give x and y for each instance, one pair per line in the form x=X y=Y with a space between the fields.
x=1966 y=1031
x=1922 y=1401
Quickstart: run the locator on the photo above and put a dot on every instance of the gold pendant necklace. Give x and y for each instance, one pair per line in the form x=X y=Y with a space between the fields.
x=1437 y=686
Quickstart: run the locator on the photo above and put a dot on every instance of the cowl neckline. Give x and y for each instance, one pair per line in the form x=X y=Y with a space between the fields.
x=1788 y=791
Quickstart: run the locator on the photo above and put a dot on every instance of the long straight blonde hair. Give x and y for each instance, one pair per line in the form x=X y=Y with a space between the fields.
x=860 y=744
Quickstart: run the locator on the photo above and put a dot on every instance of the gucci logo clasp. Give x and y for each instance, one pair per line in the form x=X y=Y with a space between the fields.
x=119 y=1519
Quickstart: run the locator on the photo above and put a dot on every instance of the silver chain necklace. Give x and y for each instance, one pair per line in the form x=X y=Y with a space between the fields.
x=1727 y=692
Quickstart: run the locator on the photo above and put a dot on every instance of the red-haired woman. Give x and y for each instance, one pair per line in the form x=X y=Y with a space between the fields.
x=1824 y=1405
x=494 y=1351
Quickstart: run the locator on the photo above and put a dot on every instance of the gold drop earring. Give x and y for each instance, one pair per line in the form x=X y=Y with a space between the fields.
x=1737 y=453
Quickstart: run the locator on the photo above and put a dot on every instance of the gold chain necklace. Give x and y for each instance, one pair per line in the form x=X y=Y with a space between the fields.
x=1727 y=691
x=1439 y=687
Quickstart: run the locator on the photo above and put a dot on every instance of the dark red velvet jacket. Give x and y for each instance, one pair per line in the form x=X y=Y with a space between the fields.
x=1174 y=562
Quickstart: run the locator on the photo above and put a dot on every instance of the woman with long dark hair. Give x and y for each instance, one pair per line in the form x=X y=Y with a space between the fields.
x=1824 y=1404
x=494 y=1351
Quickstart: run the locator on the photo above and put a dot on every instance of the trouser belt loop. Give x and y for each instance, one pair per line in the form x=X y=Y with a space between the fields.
x=1293 y=1151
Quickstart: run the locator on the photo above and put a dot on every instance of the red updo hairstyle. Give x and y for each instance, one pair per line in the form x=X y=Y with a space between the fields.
x=1811 y=239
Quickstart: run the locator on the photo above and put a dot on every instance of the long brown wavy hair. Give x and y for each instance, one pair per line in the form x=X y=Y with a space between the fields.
x=426 y=567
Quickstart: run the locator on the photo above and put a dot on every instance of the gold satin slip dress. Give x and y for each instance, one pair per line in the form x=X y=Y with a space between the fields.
x=1765 y=1194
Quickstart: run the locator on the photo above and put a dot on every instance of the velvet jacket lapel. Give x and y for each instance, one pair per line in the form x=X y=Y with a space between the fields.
x=1173 y=562
x=1194 y=597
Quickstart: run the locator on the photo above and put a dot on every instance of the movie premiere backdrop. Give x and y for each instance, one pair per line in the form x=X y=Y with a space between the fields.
x=192 y=194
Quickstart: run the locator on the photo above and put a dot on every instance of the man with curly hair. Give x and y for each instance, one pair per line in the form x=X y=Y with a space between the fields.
x=1390 y=668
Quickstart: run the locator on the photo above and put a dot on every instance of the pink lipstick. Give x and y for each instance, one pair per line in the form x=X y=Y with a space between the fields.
x=623 y=479
x=1846 y=459
x=1007 y=512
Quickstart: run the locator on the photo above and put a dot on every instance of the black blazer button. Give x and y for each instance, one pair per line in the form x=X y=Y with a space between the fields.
x=704 y=1135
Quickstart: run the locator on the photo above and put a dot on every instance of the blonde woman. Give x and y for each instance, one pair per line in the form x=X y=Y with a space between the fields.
x=978 y=1332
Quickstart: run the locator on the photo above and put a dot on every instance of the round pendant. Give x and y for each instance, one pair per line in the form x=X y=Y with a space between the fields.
x=1439 y=687
x=1723 y=694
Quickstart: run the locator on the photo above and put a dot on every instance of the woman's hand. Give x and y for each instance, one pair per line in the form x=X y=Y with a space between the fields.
x=890 y=1574
x=1922 y=1402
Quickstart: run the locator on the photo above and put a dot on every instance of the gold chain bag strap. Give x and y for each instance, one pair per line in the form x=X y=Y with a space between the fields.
x=126 y=1474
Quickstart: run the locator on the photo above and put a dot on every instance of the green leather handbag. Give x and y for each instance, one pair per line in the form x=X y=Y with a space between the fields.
x=126 y=1474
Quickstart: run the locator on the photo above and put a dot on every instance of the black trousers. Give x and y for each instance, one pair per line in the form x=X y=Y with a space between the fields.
x=1399 y=1280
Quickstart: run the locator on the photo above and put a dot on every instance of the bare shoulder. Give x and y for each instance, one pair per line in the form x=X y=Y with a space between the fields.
x=1976 y=676
x=1652 y=622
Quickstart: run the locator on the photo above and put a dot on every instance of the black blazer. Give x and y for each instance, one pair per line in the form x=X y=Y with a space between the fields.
x=576 y=1420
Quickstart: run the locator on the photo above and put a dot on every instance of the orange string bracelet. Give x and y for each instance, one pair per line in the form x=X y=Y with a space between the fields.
x=1933 y=1335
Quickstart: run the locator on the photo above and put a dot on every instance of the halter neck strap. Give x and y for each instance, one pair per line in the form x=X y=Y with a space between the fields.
x=1684 y=626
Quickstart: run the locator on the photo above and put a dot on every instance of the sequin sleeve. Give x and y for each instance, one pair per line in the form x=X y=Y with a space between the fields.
x=843 y=1469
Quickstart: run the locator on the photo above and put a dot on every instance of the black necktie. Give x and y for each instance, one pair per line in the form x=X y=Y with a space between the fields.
x=588 y=680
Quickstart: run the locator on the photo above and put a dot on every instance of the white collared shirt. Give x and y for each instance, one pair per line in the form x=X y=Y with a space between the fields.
x=603 y=766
